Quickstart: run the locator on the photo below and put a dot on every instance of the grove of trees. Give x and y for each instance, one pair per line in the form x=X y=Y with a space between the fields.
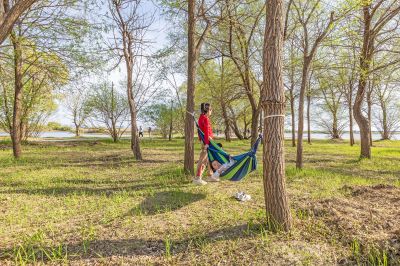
x=330 y=66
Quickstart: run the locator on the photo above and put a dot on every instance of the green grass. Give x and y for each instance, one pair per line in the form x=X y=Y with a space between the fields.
x=90 y=202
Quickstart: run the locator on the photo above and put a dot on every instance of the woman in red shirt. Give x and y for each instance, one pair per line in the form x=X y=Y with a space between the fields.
x=205 y=126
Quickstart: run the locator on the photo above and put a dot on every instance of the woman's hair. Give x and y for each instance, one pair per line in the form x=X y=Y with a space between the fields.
x=204 y=108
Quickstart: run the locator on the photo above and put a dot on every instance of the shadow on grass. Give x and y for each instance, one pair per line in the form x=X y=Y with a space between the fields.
x=165 y=201
x=107 y=248
x=87 y=191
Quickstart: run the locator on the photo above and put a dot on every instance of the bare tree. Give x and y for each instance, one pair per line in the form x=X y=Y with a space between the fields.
x=273 y=100
x=131 y=26
x=242 y=47
x=78 y=107
x=292 y=61
x=347 y=72
x=110 y=109
x=376 y=25
x=332 y=98
x=388 y=117
x=314 y=32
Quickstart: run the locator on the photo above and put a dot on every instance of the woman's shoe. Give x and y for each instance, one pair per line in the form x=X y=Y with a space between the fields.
x=199 y=182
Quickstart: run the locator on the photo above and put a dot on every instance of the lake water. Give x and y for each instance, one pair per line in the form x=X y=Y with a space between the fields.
x=64 y=134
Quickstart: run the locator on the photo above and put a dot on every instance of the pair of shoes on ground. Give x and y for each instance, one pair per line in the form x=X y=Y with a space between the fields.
x=241 y=196
x=200 y=182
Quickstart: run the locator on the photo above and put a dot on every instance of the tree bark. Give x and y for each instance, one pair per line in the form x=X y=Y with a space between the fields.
x=292 y=114
x=114 y=132
x=385 y=127
x=18 y=94
x=369 y=114
x=236 y=130
x=351 y=119
x=276 y=201
x=300 y=127
x=254 y=124
x=10 y=16
x=171 y=122
x=227 y=130
x=77 y=131
x=365 y=59
x=192 y=63
x=135 y=144
x=128 y=42
x=308 y=119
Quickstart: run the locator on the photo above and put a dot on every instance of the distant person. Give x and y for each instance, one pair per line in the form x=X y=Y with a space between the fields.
x=149 y=132
x=140 y=132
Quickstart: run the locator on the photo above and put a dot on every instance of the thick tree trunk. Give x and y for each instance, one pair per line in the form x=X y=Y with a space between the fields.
x=192 y=62
x=18 y=94
x=365 y=60
x=292 y=114
x=276 y=201
x=300 y=128
x=308 y=119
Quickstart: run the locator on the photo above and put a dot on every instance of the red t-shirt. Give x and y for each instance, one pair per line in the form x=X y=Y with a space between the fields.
x=205 y=126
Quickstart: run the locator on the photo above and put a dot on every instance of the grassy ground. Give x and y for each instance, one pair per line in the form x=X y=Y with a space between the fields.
x=89 y=202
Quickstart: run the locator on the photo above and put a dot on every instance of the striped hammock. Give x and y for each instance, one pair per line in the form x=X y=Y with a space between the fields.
x=243 y=165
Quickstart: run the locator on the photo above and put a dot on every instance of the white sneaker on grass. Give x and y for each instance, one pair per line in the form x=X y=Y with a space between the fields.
x=241 y=196
x=199 y=182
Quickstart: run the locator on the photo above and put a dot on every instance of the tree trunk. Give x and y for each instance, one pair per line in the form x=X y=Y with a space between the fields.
x=77 y=131
x=171 y=123
x=292 y=116
x=191 y=83
x=18 y=94
x=135 y=144
x=276 y=201
x=254 y=124
x=335 y=129
x=245 y=127
x=11 y=15
x=365 y=60
x=351 y=123
x=114 y=133
x=227 y=130
x=300 y=128
x=308 y=119
x=385 y=127
x=236 y=130
x=369 y=104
